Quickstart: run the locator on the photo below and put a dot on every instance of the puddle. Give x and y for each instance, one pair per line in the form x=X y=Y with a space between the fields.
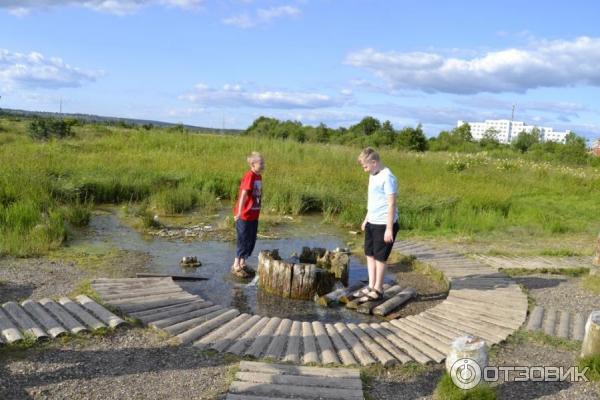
x=105 y=229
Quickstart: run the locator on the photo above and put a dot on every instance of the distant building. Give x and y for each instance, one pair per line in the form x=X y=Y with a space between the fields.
x=506 y=130
x=596 y=148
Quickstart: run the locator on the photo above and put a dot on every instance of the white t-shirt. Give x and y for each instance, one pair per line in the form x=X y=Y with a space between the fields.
x=381 y=186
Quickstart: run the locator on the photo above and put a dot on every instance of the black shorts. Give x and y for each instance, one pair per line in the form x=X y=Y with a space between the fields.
x=375 y=246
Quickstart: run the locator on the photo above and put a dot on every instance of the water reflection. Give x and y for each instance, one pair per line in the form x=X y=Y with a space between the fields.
x=216 y=257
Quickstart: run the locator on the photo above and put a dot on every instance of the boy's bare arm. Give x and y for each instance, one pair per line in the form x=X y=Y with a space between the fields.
x=388 y=237
x=243 y=197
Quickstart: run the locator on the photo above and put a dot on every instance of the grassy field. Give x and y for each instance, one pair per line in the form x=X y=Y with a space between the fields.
x=45 y=184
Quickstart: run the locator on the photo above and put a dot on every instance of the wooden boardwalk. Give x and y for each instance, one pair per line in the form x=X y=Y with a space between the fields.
x=257 y=380
x=47 y=318
x=559 y=323
x=535 y=263
x=482 y=302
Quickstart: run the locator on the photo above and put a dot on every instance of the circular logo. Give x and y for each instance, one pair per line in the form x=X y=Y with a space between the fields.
x=465 y=373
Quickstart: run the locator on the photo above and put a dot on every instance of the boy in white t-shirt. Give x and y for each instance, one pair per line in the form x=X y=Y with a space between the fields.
x=380 y=224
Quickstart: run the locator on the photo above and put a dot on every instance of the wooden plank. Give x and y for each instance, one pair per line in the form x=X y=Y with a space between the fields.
x=455 y=327
x=155 y=304
x=183 y=326
x=340 y=373
x=484 y=316
x=442 y=334
x=323 y=381
x=472 y=306
x=26 y=324
x=343 y=352
x=385 y=358
x=165 y=308
x=394 y=302
x=563 y=325
x=474 y=328
x=121 y=303
x=354 y=303
x=424 y=348
x=366 y=307
x=185 y=316
x=206 y=327
x=277 y=345
x=578 y=327
x=224 y=342
x=75 y=309
x=184 y=308
x=361 y=353
x=412 y=351
x=175 y=277
x=310 y=347
x=8 y=330
x=550 y=322
x=336 y=295
x=292 y=352
x=328 y=354
x=105 y=316
x=296 y=391
x=384 y=343
x=233 y=396
x=48 y=322
x=134 y=294
x=65 y=319
x=240 y=344
x=263 y=338
x=214 y=336
x=415 y=331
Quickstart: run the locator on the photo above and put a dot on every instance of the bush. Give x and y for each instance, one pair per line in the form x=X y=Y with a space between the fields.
x=46 y=128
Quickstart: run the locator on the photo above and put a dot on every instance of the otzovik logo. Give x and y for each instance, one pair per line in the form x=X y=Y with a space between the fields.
x=465 y=373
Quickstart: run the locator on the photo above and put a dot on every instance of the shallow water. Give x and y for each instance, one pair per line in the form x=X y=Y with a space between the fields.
x=217 y=257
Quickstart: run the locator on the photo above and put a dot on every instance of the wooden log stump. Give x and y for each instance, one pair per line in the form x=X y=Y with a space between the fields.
x=395 y=302
x=295 y=280
x=591 y=340
x=335 y=296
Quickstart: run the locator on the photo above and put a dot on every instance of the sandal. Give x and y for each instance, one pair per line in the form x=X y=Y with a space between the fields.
x=239 y=271
x=373 y=295
x=362 y=292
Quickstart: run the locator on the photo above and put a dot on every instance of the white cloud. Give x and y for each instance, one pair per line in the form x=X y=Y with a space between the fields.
x=557 y=63
x=37 y=71
x=262 y=16
x=119 y=7
x=235 y=95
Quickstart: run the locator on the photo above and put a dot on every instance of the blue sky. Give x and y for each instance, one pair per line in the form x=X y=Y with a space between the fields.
x=211 y=63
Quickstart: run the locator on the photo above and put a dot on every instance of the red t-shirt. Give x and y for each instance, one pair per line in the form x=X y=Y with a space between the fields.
x=251 y=208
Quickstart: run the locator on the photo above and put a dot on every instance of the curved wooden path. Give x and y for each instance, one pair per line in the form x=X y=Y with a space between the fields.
x=47 y=318
x=481 y=302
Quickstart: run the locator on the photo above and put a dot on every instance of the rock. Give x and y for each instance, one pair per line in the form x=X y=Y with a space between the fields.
x=190 y=261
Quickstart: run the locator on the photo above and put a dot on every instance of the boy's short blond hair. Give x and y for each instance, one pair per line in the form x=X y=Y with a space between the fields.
x=368 y=154
x=254 y=156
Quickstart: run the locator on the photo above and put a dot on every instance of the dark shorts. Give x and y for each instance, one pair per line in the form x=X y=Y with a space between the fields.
x=246 y=237
x=375 y=246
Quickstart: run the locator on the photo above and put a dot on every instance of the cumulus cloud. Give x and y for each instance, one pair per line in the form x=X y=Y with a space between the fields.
x=34 y=70
x=236 y=95
x=262 y=16
x=120 y=7
x=556 y=63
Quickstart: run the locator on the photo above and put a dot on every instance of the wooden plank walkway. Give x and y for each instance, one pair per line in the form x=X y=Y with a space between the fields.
x=257 y=380
x=482 y=302
x=534 y=263
x=49 y=319
x=559 y=323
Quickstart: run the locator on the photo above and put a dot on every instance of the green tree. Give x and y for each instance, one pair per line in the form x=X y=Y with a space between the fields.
x=525 y=140
x=367 y=126
x=412 y=139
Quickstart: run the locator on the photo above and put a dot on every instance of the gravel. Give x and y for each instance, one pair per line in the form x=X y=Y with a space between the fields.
x=560 y=292
x=127 y=364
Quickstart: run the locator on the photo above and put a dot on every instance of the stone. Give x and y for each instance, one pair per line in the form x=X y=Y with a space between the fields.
x=591 y=340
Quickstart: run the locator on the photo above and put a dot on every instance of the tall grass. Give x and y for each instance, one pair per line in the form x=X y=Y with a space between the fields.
x=176 y=172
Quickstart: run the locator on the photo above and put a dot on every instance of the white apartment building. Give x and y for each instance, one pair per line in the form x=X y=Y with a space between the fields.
x=507 y=130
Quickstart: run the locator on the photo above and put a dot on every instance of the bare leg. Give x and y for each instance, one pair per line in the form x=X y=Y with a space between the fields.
x=236 y=263
x=380 y=267
x=371 y=268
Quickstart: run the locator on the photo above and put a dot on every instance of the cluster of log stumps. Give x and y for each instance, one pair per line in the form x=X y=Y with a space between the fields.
x=314 y=272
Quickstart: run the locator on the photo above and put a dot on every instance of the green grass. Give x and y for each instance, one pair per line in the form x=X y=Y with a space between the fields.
x=447 y=390
x=50 y=183
x=592 y=284
x=593 y=363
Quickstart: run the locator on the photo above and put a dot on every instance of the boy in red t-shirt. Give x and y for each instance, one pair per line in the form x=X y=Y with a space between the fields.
x=246 y=212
